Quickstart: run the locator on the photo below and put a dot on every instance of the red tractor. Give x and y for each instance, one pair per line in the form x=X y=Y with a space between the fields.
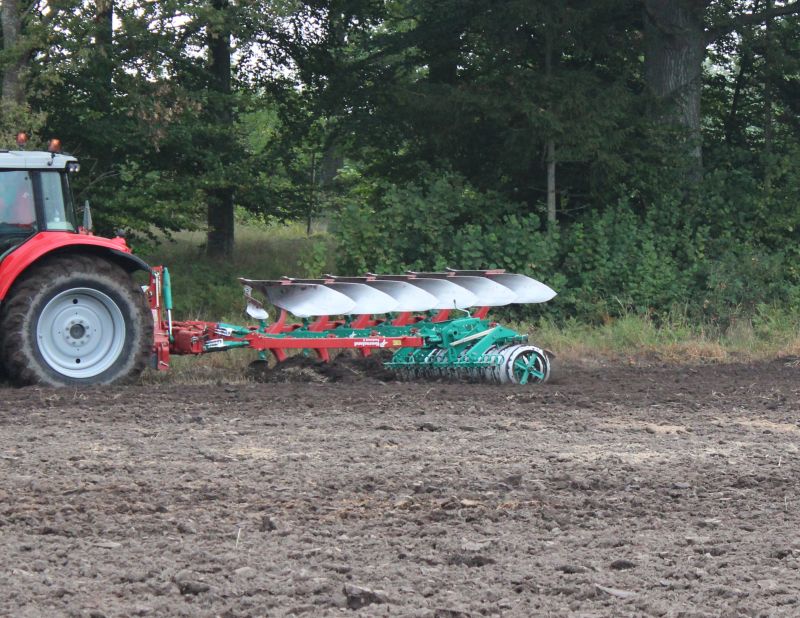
x=70 y=310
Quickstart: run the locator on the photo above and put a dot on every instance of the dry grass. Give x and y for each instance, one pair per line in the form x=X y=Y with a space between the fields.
x=217 y=368
x=639 y=339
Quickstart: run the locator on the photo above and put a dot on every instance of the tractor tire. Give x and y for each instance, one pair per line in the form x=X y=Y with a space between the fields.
x=75 y=321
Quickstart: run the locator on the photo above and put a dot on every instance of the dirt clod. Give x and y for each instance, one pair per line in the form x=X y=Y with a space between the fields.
x=188 y=583
x=347 y=368
x=571 y=569
x=267 y=524
x=358 y=596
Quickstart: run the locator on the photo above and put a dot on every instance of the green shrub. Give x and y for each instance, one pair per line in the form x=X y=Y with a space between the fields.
x=671 y=257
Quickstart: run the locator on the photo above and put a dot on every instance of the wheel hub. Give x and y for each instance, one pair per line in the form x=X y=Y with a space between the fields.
x=81 y=332
x=77 y=334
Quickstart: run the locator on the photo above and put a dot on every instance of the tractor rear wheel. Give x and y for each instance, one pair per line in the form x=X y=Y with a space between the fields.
x=75 y=320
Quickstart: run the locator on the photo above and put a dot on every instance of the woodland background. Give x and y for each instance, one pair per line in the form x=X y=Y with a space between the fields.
x=639 y=156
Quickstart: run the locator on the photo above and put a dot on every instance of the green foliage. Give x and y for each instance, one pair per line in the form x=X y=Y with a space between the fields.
x=438 y=221
x=619 y=261
x=744 y=278
x=607 y=264
x=15 y=118
x=316 y=259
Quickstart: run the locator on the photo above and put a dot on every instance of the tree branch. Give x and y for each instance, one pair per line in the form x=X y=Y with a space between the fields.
x=28 y=11
x=749 y=19
x=661 y=14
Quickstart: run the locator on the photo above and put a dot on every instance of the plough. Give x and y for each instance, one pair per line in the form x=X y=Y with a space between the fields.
x=423 y=318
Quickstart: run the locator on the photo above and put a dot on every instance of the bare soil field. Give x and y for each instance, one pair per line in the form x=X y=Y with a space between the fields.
x=617 y=491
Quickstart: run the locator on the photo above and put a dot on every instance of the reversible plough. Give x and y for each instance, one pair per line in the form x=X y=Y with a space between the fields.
x=423 y=318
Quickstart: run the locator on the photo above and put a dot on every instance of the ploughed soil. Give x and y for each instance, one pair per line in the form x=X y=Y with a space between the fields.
x=616 y=491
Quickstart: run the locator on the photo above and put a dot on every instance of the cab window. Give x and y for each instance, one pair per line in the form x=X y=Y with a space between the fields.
x=57 y=202
x=17 y=209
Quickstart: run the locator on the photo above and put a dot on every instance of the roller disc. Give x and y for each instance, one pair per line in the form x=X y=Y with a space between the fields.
x=523 y=364
x=491 y=373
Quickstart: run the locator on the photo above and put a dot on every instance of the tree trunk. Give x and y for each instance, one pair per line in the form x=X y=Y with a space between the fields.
x=768 y=120
x=745 y=64
x=104 y=52
x=551 y=145
x=311 y=193
x=103 y=68
x=675 y=41
x=220 y=200
x=220 y=222
x=13 y=92
x=551 y=183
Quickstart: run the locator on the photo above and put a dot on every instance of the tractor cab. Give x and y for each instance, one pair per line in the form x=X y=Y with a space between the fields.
x=35 y=195
x=70 y=310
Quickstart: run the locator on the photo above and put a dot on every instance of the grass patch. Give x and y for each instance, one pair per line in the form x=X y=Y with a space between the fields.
x=772 y=332
x=220 y=368
x=206 y=289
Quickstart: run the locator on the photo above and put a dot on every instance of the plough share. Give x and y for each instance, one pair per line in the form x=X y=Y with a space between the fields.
x=424 y=319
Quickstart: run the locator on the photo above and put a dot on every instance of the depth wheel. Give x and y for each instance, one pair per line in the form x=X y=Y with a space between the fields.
x=75 y=320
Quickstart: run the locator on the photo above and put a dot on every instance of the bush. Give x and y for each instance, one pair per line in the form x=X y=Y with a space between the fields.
x=671 y=257
x=423 y=225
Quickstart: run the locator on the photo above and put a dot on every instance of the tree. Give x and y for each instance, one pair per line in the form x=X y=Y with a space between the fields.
x=16 y=58
x=677 y=33
x=220 y=198
x=464 y=85
x=22 y=27
x=102 y=64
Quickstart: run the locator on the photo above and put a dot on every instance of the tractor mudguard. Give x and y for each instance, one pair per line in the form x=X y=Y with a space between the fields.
x=129 y=261
x=45 y=244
